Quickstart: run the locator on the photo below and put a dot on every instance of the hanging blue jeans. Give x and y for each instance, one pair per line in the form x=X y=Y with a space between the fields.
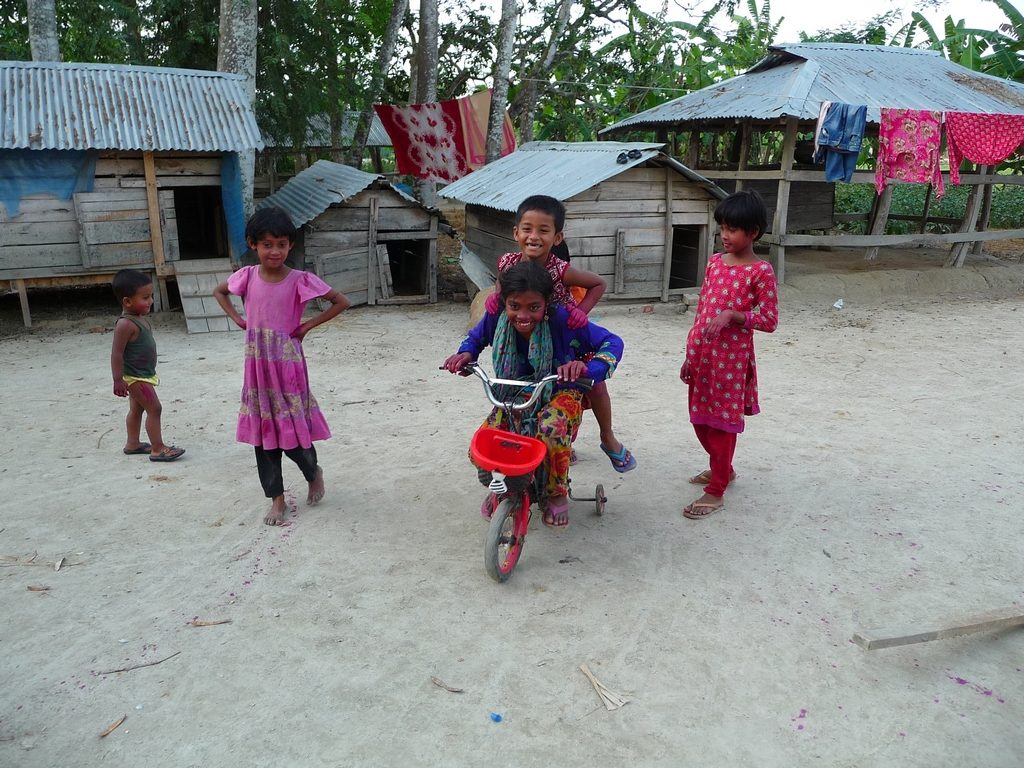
x=839 y=138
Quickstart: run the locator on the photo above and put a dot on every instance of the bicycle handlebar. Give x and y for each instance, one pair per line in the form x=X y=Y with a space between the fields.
x=538 y=386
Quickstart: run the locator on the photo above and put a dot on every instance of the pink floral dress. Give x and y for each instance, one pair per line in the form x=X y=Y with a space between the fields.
x=278 y=410
x=722 y=373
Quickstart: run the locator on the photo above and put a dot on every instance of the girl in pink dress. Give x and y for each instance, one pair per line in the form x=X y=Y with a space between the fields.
x=739 y=295
x=279 y=413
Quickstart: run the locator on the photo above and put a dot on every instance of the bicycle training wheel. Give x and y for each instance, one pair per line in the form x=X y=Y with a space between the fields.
x=599 y=499
x=505 y=537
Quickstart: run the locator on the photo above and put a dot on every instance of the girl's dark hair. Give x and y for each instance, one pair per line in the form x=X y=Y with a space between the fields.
x=745 y=210
x=526 y=276
x=127 y=282
x=544 y=204
x=270 y=221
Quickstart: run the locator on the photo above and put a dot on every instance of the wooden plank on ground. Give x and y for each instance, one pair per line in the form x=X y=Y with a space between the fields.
x=1004 y=618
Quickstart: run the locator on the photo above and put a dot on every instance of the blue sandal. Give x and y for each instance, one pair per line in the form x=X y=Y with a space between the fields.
x=622 y=460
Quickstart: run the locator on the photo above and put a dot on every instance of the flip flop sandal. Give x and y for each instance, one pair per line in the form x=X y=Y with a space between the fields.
x=700 y=510
x=553 y=512
x=622 y=460
x=170 y=453
x=703 y=478
x=143 y=448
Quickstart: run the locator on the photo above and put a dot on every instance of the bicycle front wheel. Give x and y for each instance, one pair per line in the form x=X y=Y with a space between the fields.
x=505 y=536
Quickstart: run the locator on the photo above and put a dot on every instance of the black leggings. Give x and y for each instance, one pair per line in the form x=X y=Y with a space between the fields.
x=268 y=464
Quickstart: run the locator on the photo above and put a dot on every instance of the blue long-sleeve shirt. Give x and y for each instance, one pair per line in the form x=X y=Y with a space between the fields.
x=567 y=345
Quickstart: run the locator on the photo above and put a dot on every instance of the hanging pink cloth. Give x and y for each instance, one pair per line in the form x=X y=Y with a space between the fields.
x=441 y=141
x=475 y=111
x=908 y=148
x=982 y=139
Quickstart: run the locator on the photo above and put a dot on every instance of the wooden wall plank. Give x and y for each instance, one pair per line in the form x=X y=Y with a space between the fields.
x=26 y=258
x=38 y=232
x=97 y=232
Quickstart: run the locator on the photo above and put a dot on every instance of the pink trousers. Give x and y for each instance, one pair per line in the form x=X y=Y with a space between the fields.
x=720 y=446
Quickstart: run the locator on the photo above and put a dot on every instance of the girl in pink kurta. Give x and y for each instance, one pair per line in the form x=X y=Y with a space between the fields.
x=279 y=414
x=739 y=295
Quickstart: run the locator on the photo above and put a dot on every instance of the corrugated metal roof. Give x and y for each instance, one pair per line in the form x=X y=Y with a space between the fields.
x=114 y=106
x=311 y=192
x=318 y=132
x=793 y=80
x=557 y=168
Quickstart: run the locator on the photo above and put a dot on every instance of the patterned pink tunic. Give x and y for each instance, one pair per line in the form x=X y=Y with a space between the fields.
x=556 y=268
x=278 y=410
x=723 y=374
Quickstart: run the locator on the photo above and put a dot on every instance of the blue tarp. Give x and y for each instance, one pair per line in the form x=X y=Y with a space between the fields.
x=59 y=172
x=231 y=197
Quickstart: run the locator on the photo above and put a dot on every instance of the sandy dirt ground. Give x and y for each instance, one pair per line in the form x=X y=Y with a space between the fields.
x=881 y=486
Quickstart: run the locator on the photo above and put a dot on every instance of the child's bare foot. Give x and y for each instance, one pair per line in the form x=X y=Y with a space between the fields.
x=316 y=488
x=277 y=512
x=702 y=507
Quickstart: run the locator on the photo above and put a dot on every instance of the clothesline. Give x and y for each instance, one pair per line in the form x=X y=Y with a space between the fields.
x=910 y=142
x=607 y=85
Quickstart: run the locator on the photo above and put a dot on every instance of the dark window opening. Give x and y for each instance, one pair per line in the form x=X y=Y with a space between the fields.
x=685 y=257
x=409 y=263
x=202 y=233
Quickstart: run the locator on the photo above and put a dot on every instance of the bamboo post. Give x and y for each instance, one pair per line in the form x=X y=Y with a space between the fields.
x=371 y=259
x=778 y=252
x=986 y=213
x=432 y=261
x=927 y=205
x=666 y=274
x=26 y=316
x=693 y=150
x=741 y=163
x=881 y=216
x=155 y=231
x=958 y=253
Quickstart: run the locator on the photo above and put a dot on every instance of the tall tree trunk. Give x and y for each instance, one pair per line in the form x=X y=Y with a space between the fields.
x=426 y=54
x=426 y=86
x=42 y=30
x=384 y=57
x=236 y=52
x=526 y=100
x=502 y=68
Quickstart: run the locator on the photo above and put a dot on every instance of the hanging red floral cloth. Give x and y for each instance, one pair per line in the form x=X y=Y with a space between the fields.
x=441 y=141
x=908 y=148
x=982 y=139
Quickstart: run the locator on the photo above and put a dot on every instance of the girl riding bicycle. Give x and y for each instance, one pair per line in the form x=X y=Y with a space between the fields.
x=530 y=339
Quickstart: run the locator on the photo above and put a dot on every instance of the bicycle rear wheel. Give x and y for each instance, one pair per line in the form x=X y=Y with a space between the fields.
x=505 y=536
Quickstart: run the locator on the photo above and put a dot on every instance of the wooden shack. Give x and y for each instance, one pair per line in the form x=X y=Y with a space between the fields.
x=634 y=215
x=367 y=239
x=776 y=103
x=106 y=166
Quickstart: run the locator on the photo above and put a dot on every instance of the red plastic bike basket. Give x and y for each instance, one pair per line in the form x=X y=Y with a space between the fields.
x=506 y=452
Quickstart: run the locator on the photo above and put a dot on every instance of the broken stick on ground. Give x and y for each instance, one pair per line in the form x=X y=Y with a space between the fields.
x=610 y=699
x=1004 y=618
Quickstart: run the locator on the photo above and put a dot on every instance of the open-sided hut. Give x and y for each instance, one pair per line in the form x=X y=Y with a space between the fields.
x=634 y=215
x=367 y=239
x=782 y=95
x=106 y=166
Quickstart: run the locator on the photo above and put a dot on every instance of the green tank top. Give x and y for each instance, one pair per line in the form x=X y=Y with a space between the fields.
x=140 y=355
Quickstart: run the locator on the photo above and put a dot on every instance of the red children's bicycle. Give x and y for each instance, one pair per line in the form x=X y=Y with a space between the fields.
x=510 y=463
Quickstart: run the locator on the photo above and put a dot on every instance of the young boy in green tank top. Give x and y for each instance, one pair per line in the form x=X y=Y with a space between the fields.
x=133 y=365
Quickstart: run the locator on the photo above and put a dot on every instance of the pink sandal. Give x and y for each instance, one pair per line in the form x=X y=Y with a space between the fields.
x=556 y=515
